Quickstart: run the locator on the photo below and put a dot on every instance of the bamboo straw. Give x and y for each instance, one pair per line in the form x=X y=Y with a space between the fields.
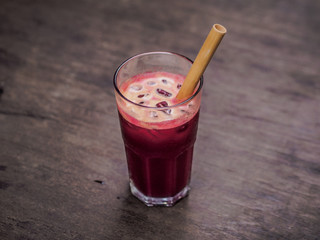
x=201 y=62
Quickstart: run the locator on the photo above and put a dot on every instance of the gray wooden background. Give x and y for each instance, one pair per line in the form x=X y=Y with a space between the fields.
x=256 y=170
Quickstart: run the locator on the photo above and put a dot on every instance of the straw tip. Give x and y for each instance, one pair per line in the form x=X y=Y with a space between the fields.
x=219 y=28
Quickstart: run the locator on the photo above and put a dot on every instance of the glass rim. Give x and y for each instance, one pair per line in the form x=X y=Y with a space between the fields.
x=149 y=107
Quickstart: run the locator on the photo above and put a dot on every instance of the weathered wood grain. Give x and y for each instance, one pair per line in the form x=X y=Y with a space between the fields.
x=256 y=171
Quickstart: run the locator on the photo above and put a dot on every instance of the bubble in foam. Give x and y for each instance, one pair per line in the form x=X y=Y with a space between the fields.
x=182 y=128
x=151 y=83
x=153 y=114
x=136 y=87
x=167 y=111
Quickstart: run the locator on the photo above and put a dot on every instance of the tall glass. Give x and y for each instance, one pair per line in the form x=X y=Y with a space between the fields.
x=159 y=151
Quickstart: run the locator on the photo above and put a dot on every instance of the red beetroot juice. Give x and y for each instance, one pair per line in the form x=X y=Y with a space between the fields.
x=159 y=160
x=158 y=133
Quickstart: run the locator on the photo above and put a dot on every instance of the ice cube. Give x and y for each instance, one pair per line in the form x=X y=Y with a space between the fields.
x=164 y=104
x=143 y=95
x=163 y=92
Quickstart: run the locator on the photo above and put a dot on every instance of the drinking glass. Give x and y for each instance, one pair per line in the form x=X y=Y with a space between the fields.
x=159 y=154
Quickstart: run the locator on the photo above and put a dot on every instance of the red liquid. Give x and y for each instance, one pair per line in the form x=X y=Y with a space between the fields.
x=159 y=160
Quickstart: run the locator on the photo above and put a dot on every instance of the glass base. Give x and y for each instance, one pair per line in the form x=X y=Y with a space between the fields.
x=153 y=201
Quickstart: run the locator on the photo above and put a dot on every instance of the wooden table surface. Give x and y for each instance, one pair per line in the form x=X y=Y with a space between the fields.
x=256 y=169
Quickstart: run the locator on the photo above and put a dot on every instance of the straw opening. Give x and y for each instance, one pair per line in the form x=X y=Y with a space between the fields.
x=220 y=28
